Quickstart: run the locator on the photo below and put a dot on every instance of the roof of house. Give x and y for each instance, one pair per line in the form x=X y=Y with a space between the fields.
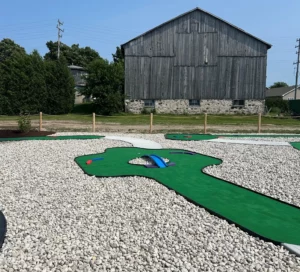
x=275 y=92
x=195 y=9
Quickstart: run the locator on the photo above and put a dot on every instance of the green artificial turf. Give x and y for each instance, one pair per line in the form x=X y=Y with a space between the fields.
x=190 y=137
x=202 y=137
x=44 y=138
x=295 y=145
x=262 y=215
x=262 y=136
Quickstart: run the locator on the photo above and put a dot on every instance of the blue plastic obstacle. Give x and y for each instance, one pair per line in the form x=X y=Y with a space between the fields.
x=158 y=161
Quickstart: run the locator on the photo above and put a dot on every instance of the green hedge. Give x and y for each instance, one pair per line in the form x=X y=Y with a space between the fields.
x=294 y=106
x=277 y=104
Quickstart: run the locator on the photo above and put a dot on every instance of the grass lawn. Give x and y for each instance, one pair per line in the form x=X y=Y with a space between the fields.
x=131 y=119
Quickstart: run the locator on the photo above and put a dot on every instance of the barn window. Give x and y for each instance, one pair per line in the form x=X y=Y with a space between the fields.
x=149 y=103
x=194 y=102
x=238 y=103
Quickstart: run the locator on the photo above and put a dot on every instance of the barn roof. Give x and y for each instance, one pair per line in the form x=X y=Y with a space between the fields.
x=268 y=45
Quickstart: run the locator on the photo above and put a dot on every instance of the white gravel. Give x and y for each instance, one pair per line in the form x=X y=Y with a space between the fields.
x=60 y=219
x=145 y=161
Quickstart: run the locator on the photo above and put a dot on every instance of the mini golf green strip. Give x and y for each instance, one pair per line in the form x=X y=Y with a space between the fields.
x=203 y=137
x=190 y=137
x=295 y=145
x=49 y=138
x=266 y=217
x=262 y=136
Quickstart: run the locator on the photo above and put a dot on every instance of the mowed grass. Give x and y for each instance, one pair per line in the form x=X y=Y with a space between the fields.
x=161 y=119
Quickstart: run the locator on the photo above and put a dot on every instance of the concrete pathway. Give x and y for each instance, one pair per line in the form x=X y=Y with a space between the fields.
x=136 y=142
x=249 y=142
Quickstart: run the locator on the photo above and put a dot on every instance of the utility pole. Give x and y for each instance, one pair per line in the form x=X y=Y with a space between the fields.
x=297 y=63
x=59 y=23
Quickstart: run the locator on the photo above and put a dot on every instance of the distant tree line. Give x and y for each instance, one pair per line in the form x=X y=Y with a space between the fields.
x=32 y=83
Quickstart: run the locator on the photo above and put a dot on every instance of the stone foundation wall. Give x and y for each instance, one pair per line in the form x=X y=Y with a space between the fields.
x=181 y=106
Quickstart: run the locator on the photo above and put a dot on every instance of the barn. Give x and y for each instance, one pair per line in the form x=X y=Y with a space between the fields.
x=195 y=63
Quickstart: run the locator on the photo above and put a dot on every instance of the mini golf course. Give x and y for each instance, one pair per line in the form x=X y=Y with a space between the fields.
x=261 y=215
x=203 y=137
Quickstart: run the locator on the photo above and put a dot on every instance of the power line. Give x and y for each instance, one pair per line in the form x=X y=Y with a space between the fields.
x=297 y=63
x=59 y=23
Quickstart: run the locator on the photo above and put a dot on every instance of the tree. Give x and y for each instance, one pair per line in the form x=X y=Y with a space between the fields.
x=22 y=84
x=104 y=83
x=60 y=87
x=74 y=55
x=119 y=58
x=8 y=48
x=119 y=55
x=12 y=63
x=38 y=86
x=14 y=83
x=28 y=83
x=279 y=85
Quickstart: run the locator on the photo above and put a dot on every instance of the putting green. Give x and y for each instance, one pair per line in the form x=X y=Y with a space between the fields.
x=295 y=145
x=47 y=138
x=267 y=217
x=190 y=137
x=202 y=137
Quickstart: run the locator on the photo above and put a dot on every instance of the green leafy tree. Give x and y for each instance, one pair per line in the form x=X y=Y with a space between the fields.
x=279 y=85
x=14 y=84
x=28 y=83
x=12 y=63
x=119 y=58
x=60 y=87
x=8 y=49
x=74 y=55
x=104 y=84
x=22 y=84
x=119 y=55
x=38 y=86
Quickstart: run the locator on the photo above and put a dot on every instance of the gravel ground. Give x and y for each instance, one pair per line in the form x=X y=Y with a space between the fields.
x=62 y=220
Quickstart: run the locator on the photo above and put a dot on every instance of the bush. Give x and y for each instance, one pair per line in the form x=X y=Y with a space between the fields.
x=147 y=110
x=277 y=104
x=24 y=122
x=276 y=110
x=85 y=108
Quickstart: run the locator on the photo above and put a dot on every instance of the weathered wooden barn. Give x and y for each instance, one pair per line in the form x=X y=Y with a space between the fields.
x=195 y=63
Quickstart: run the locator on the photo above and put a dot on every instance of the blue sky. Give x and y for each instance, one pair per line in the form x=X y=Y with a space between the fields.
x=103 y=25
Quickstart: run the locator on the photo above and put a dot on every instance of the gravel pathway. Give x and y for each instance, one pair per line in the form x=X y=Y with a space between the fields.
x=62 y=220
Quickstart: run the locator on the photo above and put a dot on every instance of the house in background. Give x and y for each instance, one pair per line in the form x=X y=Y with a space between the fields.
x=79 y=74
x=285 y=93
x=195 y=63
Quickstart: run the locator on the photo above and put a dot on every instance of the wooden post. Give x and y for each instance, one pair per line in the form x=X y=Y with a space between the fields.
x=151 y=122
x=205 y=123
x=94 y=122
x=259 y=123
x=41 y=121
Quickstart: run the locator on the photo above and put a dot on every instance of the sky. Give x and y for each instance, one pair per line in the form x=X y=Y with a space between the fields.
x=104 y=25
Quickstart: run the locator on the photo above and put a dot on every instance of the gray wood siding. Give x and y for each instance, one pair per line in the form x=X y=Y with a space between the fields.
x=196 y=56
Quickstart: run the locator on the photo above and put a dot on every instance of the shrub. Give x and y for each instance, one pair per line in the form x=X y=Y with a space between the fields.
x=24 y=122
x=277 y=103
x=147 y=110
